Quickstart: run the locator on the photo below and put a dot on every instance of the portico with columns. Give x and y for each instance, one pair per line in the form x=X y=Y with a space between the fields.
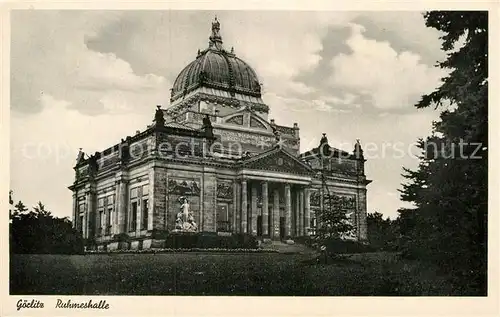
x=275 y=208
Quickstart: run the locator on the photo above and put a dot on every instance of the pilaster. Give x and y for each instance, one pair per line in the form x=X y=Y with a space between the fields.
x=234 y=223
x=90 y=211
x=121 y=202
x=296 y=213
x=362 y=209
x=238 y=208
x=307 y=211
x=75 y=209
x=301 y=213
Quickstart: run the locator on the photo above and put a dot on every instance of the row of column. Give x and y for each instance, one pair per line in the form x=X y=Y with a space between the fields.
x=300 y=214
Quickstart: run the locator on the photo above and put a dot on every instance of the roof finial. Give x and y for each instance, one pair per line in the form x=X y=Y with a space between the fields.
x=215 y=38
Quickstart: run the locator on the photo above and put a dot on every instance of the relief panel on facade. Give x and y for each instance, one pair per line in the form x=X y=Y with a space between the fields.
x=224 y=190
x=183 y=187
x=236 y=120
x=256 y=140
x=170 y=146
x=254 y=123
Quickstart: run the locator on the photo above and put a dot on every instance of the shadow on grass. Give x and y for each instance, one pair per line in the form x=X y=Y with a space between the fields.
x=221 y=274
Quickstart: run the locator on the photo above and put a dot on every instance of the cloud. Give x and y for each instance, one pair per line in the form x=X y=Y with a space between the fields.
x=300 y=88
x=392 y=80
x=42 y=160
x=51 y=57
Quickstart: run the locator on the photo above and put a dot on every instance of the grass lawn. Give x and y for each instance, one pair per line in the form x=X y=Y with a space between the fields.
x=221 y=274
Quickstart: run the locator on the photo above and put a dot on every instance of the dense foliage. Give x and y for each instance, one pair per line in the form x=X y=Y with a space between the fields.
x=38 y=231
x=449 y=188
x=383 y=233
x=336 y=246
x=209 y=240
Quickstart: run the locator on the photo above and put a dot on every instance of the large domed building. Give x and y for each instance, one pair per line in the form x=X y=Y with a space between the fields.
x=213 y=161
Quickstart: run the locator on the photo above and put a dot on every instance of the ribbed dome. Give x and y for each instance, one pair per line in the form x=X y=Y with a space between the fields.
x=219 y=69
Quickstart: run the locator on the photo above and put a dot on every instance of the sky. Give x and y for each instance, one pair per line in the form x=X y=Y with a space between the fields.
x=86 y=79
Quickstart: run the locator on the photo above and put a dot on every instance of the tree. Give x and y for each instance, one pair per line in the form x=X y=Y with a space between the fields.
x=382 y=233
x=333 y=222
x=449 y=187
x=37 y=231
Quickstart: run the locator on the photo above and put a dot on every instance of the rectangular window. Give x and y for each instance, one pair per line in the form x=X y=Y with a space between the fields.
x=100 y=202
x=223 y=218
x=133 y=216
x=145 y=190
x=145 y=211
x=100 y=225
x=133 y=193
x=108 y=220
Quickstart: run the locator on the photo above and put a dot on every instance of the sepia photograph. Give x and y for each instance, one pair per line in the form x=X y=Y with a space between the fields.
x=247 y=153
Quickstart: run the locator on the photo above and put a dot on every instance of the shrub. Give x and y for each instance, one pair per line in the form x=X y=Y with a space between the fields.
x=246 y=241
x=346 y=246
x=121 y=237
x=159 y=234
x=210 y=240
x=185 y=240
x=91 y=243
x=306 y=240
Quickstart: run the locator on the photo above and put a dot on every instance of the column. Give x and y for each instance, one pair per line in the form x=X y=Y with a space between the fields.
x=276 y=214
x=244 y=206
x=296 y=212
x=121 y=206
x=265 y=209
x=288 y=211
x=301 y=213
x=234 y=226
x=307 y=211
x=253 y=212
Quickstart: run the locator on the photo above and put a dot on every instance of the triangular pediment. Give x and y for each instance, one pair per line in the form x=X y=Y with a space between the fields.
x=277 y=160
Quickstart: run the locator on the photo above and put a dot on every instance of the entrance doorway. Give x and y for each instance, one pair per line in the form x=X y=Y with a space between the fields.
x=282 y=228
x=259 y=225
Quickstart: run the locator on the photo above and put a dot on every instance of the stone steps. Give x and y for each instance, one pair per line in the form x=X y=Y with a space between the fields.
x=285 y=248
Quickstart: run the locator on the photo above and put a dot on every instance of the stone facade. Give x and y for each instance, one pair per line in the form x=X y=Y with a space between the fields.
x=239 y=171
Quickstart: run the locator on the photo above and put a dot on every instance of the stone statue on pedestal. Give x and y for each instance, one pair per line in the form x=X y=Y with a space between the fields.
x=185 y=220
